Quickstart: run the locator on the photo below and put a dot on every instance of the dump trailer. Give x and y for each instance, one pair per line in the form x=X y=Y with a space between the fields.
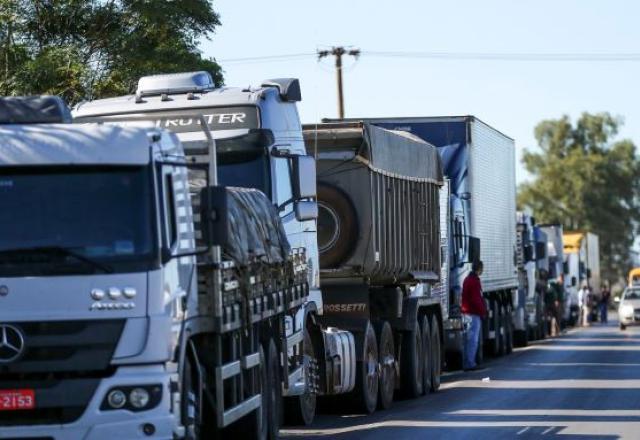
x=379 y=244
x=144 y=299
x=259 y=144
x=479 y=161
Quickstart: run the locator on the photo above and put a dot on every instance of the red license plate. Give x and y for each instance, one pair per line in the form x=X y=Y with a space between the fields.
x=17 y=399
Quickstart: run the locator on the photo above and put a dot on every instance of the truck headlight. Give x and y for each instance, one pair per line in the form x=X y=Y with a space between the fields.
x=139 y=398
x=133 y=398
x=116 y=399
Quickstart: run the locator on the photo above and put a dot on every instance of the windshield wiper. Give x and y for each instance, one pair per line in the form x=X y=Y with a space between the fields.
x=62 y=251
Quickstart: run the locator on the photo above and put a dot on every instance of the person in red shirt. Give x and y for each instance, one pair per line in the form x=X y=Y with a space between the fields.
x=474 y=309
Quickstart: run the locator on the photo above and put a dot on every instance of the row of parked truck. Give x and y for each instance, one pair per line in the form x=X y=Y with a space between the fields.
x=191 y=261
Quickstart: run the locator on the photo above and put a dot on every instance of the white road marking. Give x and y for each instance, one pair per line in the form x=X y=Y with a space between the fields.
x=523 y=430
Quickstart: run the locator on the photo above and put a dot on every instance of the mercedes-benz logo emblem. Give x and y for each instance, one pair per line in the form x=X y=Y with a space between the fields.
x=11 y=343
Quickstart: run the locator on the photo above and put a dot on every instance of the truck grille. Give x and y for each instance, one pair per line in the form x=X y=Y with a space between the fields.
x=64 y=363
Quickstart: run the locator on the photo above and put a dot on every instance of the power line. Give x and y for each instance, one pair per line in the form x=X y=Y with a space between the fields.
x=283 y=57
x=510 y=56
x=462 y=56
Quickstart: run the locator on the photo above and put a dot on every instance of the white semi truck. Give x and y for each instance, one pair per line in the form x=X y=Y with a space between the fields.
x=140 y=300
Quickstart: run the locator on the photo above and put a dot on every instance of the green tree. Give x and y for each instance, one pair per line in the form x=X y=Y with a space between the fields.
x=82 y=49
x=584 y=179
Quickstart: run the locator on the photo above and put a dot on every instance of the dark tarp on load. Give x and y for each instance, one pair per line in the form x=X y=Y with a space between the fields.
x=255 y=228
x=401 y=153
x=34 y=110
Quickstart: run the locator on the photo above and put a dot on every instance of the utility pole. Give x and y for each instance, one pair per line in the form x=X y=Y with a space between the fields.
x=338 y=52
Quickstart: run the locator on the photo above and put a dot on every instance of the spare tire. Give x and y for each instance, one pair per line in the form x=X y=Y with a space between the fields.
x=337 y=226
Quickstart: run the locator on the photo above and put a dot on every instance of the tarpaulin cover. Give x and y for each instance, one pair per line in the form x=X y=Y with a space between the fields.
x=255 y=228
x=34 y=110
x=401 y=153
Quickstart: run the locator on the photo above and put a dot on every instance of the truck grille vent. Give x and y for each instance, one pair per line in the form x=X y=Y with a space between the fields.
x=63 y=363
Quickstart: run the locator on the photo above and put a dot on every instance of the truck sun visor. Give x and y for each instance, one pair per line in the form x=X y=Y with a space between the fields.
x=34 y=110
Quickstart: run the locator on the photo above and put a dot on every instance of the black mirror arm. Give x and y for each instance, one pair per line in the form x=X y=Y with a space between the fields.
x=283 y=205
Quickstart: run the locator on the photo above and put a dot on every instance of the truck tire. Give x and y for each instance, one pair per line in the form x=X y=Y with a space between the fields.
x=427 y=354
x=255 y=425
x=436 y=357
x=623 y=327
x=502 y=331
x=387 y=371
x=301 y=410
x=365 y=394
x=337 y=225
x=274 y=391
x=521 y=338
x=507 y=323
x=495 y=324
x=195 y=428
x=411 y=362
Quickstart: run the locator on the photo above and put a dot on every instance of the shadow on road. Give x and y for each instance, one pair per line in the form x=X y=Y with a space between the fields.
x=583 y=385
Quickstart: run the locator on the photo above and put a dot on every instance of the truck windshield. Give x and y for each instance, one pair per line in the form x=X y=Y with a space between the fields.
x=247 y=170
x=64 y=221
x=244 y=161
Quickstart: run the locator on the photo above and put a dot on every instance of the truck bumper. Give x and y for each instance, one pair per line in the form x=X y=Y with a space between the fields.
x=96 y=424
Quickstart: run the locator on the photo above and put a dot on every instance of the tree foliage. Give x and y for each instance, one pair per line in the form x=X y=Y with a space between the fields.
x=586 y=180
x=83 y=49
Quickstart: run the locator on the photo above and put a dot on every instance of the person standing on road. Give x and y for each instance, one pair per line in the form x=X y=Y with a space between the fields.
x=475 y=309
x=604 y=303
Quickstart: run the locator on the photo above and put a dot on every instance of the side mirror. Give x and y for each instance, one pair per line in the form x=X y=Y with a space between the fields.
x=304 y=177
x=474 y=249
x=588 y=273
x=574 y=281
x=306 y=210
x=214 y=216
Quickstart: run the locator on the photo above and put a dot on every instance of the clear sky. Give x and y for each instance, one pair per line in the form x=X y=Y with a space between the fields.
x=510 y=95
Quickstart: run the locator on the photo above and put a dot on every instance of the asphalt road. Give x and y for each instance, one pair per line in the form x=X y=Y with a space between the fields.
x=582 y=385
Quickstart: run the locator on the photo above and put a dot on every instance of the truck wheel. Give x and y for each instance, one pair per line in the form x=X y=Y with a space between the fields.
x=521 y=338
x=495 y=322
x=256 y=425
x=436 y=357
x=508 y=328
x=301 y=410
x=337 y=225
x=427 y=354
x=623 y=327
x=411 y=365
x=387 y=371
x=192 y=406
x=273 y=391
x=365 y=393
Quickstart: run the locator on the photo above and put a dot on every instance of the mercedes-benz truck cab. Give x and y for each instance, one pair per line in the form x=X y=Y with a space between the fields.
x=87 y=343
